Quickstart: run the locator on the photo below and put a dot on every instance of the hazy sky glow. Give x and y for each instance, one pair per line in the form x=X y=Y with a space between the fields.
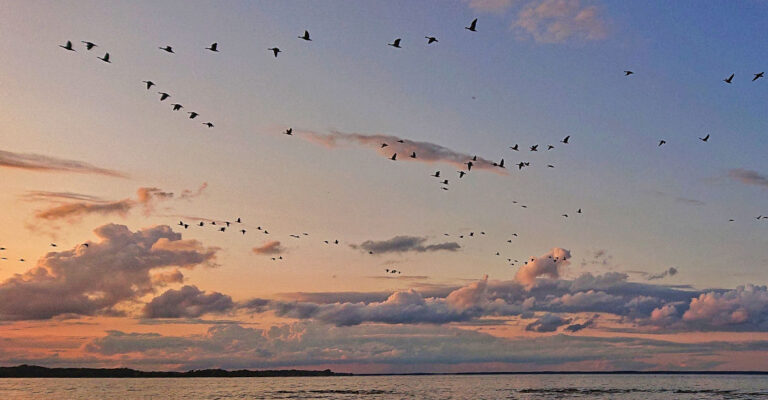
x=651 y=275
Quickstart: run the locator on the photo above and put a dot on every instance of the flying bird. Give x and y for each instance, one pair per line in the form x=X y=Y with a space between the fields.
x=88 y=45
x=430 y=39
x=177 y=107
x=729 y=79
x=550 y=147
x=413 y=155
x=628 y=73
x=535 y=147
x=661 y=142
x=274 y=50
x=472 y=26
x=105 y=58
x=445 y=182
x=705 y=138
x=169 y=49
x=163 y=95
x=305 y=36
x=565 y=140
x=288 y=131
x=67 y=46
x=500 y=164
x=214 y=47
x=396 y=43
x=515 y=148
x=242 y=231
x=461 y=174
x=758 y=76
x=383 y=145
x=192 y=114
x=149 y=84
x=208 y=124
x=469 y=165
x=437 y=174
x=394 y=157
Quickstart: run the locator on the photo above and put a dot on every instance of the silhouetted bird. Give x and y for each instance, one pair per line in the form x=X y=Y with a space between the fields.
x=238 y=220
x=88 y=45
x=758 y=76
x=201 y=223
x=305 y=36
x=394 y=157
x=705 y=138
x=565 y=140
x=578 y=211
x=177 y=107
x=515 y=148
x=729 y=79
x=67 y=46
x=274 y=50
x=288 y=131
x=628 y=73
x=550 y=147
x=437 y=174
x=461 y=174
x=535 y=147
x=550 y=166
x=192 y=114
x=383 y=145
x=53 y=245
x=472 y=26
x=445 y=182
x=500 y=164
x=661 y=142
x=430 y=39
x=214 y=47
x=105 y=58
x=413 y=155
x=149 y=84
x=208 y=124
x=169 y=49
x=469 y=165
x=242 y=231
x=396 y=43
x=163 y=95
x=222 y=229
x=401 y=141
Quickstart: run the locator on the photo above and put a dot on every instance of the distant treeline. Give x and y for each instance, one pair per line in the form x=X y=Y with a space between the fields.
x=34 y=371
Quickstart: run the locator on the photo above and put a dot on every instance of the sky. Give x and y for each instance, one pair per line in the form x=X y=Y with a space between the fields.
x=660 y=263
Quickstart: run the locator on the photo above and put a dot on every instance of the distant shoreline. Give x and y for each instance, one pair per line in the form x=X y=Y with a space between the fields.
x=34 y=371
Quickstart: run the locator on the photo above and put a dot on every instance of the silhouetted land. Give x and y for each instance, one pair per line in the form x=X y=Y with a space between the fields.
x=34 y=371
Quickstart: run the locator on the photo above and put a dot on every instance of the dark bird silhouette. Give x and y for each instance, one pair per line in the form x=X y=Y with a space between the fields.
x=396 y=43
x=53 y=245
x=520 y=165
x=88 y=45
x=461 y=174
x=192 y=114
x=628 y=73
x=661 y=142
x=274 y=50
x=105 y=58
x=437 y=174
x=705 y=138
x=238 y=220
x=430 y=39
x=22 y=260
x=472 y=26
x=208 y=124
x=758 y=76
x=550 y=147
x=565 y=215
x=401 y=141
x=394 y=157
x=67 y=46
x=305 y=36
x=169 y=49
x=515 y=148
x=500 y=164
x=214 y=48
x=445 y=182
x=469 y=165
x=729 y=79
x=163 y=95
x=413 y=155
x=201 y=223
x=86 y=244
x=222 y=229
x=242 y=231
x=288 y=131
x=565 y=140
x=177 y=107
x=383 y=145
x=444 y=188
x=149 y=84
x=535 y=147
x=550 y=166
x=578 y=211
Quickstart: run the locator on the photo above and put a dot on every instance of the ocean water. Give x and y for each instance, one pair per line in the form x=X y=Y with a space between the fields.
x=554 y=386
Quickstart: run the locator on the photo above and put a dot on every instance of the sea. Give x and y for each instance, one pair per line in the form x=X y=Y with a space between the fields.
x=548 y=386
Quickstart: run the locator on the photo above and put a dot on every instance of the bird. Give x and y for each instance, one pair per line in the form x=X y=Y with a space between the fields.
x=394 y=157
x=53 y=245
x=208 y=124
x=461 y=174
x=169 y=49
x=521 y=164
x=705 y=138
x=500 y=164
x=437 y=174
x=550 y=147
x=149 y=84
x=413 y=155
x=396 y=43
x=274 y=50
x=163 y=95
x=105 y=58
x=88 y=45
x=214 y=47
x=565 y=140
x=550 y=166
x=661 y=142
x=222 y=229
x=758 y=76
x=177 y=107
x=288 y=131
x=578 y=211
x=472 y=26
x=628 y=73
x=305 y=36
x=383 y=145
x=729 y=79
x=401 y=141
x=515 y=148
x=445 y=182
x=469 y=165
x=192 y=114
x=238 y=220
x=67 y=46
x=242 y=231
x=201 y=223
x=444 y=188
x=535 y=147
x=430 y=39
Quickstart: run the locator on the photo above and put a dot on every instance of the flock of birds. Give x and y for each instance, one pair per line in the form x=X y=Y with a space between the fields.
x=223 y=226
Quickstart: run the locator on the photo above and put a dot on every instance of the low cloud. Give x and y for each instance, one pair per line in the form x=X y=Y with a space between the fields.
x=672 y=271
x=749 y=177
x=187 y=302
x=269 y=248
x=402 y=244
x=37 y=162
x=547 y=323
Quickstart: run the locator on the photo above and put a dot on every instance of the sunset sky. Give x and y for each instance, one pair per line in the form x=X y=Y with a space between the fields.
x=664 y=268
